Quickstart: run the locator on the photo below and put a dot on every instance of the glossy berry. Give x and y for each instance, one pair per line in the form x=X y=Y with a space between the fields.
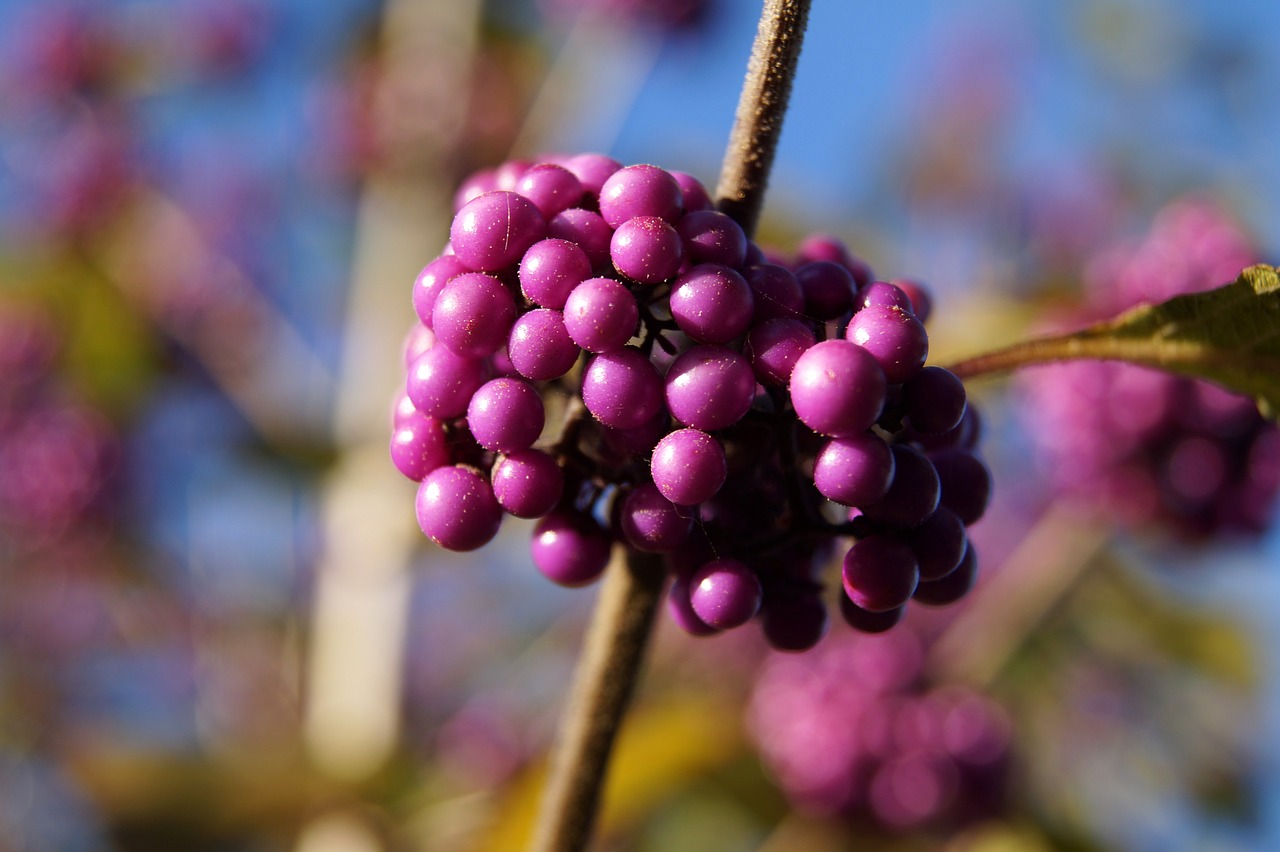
x=724 y=593
x=492 y=231
x=456 y=508
x=688 y=466
x=569 y=549
x=837 y=388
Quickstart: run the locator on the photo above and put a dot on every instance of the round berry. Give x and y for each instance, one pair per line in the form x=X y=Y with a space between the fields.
x=441 y=382
x=432 y=278
x=709 y=387
x=725 y=593
x=712 y=303
x=837 y=388
x=456 y=508
x=622 y=389
x=493 y=231
x=505 y=415
x=586 y=230
x=688 y=466
x=710 y=236
x=854 y=470
x=651 y=522
x=640 y=190
x=773 y=347
x=539 y=345
x=551 y=188
x=601 y=315
x=527 y=483
x=569 y=549
x=646 y=249
x=828 y=289
x=473 y=314
x=550 y=269
x=419 y=446
x=894 y=337
x=879 y=573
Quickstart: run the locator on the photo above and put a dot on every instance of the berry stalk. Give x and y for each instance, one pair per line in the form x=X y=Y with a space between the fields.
x=605 y=679
x=624 y=615
x=757 y=125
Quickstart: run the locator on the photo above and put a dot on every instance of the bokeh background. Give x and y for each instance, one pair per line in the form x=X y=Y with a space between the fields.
x=219 y=626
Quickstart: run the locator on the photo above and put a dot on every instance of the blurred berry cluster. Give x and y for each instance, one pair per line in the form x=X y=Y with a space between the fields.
x=1145 y=446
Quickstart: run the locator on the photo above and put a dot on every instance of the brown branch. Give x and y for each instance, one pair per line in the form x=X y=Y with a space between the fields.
x=603 y=684
x=757 y=125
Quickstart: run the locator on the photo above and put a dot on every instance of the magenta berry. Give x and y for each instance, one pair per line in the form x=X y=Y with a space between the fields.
x=493 y=230
x=457 y=509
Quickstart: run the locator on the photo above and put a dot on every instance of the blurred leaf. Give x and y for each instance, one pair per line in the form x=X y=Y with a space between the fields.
x=1230 y=336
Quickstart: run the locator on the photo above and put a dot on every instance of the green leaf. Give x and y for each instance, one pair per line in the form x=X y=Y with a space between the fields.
x=1229 y=336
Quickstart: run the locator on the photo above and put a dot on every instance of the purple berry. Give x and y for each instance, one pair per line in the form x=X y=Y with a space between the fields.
x=441 y=382
x=828 y=289
x=854 y=470
x=795 y=621
x=493 y=231
x=506 y=415
x=965 y=482
x=913 y=492
x=725 y=593
x=775 y=293
x=540 y=347
x=622 y=389
x=693 y=192
x=712 y=303
x=527 y=483
x=885 y=295
x=418 y=446
x=939 y=543
x=432 y=278
x=592 y=170
x=473 y=314
x=680 y=608
x=952 y=587
x=709 y=387
x=894 y=337
x=569 y=549
x=551 y=188
x=651 y=522
x=601 y=315
x=550 y=269
x=935 y=400
x=456 y=508
x=773 y=347
x=688 y=466
x=879 y=573
x=837 y=388
x=640 y=190
x=586 y=230
x=646 y=249
x=710 y=236
x=865 y=621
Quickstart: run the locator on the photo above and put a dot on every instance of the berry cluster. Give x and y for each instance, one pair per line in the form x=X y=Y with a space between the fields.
x=1146 y=446
x=855 y=729
x=735 y=412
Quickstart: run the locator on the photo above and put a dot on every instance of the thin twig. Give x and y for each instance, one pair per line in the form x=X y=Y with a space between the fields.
x=761 y=108
x=603 y=684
